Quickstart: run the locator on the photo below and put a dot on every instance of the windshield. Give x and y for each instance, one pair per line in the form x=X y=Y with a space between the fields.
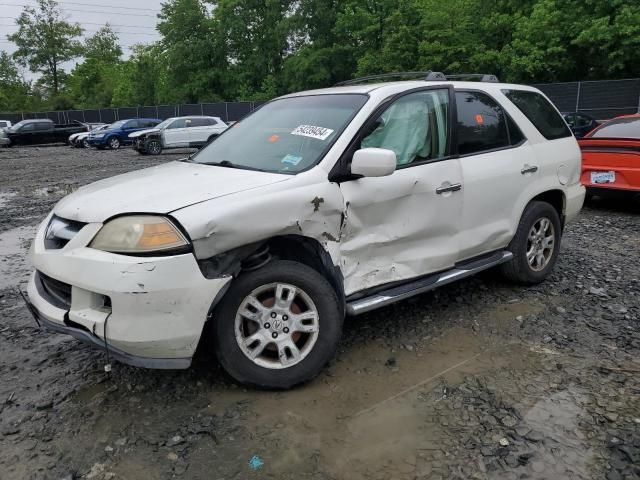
x=620 y=128
x=164 y=124
x=284 y=136
x=117 y=124
x=17 y=126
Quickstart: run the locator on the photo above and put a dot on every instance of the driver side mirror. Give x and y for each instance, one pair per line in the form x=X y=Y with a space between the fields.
x=373 y=162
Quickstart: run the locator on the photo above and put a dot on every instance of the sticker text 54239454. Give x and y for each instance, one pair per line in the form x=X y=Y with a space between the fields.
x=312 y=131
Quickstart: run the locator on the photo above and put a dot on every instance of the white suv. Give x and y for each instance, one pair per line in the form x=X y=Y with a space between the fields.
x=193 y=132
x=317 y=205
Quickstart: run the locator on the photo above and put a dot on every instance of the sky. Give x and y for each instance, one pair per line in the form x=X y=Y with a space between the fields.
x=133 y=20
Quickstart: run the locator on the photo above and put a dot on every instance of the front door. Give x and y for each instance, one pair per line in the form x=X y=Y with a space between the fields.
x=404 y=225
x=177 y=134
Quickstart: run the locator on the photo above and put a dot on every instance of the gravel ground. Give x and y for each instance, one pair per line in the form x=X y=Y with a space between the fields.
x=477 y=380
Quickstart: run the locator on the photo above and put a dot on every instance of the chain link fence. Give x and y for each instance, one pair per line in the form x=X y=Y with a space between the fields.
x=227 y=111
x=603 y=99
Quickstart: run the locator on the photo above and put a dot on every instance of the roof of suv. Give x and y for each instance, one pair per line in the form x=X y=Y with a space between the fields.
x=390 y=88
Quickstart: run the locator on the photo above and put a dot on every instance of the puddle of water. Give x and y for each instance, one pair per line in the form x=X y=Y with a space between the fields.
x=367 y=416
x=557 y=418
x=15 y=265
x=58 y=190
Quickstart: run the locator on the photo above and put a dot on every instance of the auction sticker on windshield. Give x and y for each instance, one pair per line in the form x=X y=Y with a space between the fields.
x=312 y=131
x=603 y=177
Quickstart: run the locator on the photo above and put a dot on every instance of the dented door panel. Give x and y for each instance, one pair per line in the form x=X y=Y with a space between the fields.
x=398 y=227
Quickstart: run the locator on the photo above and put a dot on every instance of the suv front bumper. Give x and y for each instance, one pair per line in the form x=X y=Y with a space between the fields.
x=153 y=308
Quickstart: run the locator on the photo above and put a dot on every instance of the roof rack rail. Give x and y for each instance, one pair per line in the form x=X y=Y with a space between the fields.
x=483 y=77
x=428 y=76
x=356 y=81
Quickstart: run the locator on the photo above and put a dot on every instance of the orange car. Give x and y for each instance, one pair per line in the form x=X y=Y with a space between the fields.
x=611 y=156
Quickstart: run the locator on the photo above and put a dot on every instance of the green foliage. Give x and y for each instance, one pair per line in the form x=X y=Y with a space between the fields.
x=213 y=50
x=45 y=40
x=14 y=91
x=90 y=84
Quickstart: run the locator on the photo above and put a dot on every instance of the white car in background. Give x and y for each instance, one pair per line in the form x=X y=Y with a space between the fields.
x=79 y=140
x=5 y=124
x=178 y=132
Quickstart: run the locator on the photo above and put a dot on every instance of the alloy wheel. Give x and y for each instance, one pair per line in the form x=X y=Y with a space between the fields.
x=540 y=244
x=276 y=325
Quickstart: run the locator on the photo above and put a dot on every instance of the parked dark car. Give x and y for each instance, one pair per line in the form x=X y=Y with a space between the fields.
x=117 y=134
x=32 y=132
x=580 y=123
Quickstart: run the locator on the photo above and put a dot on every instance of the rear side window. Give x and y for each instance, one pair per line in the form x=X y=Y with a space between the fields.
x=620 y=128
x=482 y=124
x=200 y=122
x=540 y=112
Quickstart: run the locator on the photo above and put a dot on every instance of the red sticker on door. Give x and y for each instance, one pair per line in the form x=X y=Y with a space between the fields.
x=274 y=138
x=479 y=119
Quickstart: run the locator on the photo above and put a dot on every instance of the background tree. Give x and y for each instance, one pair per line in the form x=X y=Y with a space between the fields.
x=45 y=40
x=213 y=50
x=15 y=92
x=91 y=82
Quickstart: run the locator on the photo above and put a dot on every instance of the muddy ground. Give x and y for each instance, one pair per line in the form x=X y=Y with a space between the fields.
x=477 y=380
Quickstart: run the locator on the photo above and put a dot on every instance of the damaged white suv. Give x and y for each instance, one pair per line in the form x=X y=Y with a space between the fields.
x=317 y=205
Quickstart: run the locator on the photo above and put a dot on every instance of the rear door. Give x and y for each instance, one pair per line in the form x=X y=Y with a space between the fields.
x=201 y=129
x=497 y=167
x=406 y=224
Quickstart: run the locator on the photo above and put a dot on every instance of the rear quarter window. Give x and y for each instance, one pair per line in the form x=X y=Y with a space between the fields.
x=540 y=112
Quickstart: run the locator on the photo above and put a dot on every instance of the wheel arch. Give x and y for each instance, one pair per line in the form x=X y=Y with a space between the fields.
x=556 y=198
x=298 y=248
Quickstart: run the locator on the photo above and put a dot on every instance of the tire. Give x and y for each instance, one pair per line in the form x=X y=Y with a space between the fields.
x=85 y=143
x=114 y=143
x=153 y=146
x=534 y=269
x=315 y=349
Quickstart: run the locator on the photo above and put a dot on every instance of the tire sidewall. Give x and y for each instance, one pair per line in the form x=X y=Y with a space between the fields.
x=111 y=144
x=330 y=321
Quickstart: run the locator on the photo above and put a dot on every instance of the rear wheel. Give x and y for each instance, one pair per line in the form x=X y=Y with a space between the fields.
x=535 y=246
x=278 y=326
x=114 y=143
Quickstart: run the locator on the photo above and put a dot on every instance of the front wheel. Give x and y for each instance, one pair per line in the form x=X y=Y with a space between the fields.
x=278 y=326
x=153 y=146
x=535 y=246
x=114 y=143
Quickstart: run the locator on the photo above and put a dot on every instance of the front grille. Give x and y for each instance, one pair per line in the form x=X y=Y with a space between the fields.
x=60 y=231
x=56 y=292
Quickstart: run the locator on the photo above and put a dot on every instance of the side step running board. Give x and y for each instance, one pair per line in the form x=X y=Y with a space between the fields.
x=424 y=284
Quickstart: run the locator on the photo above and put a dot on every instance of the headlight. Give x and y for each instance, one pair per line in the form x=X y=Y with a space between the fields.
x=139 y=234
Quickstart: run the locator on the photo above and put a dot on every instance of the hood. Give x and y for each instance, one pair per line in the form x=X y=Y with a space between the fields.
x=143 y=132
x=160 y=189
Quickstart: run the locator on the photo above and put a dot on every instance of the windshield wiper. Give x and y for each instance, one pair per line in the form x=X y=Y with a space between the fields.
x=229 y=164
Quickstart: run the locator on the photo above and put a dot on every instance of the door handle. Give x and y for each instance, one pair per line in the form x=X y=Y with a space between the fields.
x=529 y=169
x=449 y=188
